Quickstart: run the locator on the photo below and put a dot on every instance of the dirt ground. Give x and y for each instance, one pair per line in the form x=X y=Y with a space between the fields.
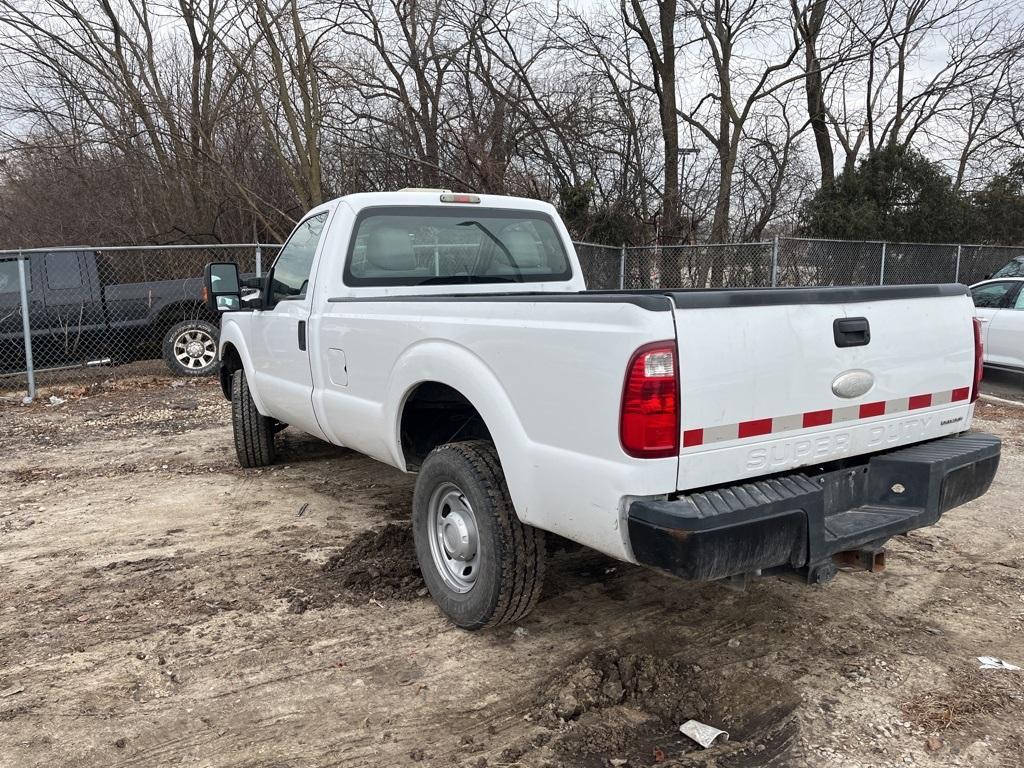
x=160 y=606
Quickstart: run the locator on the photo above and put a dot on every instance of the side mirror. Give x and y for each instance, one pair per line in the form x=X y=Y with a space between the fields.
x=221 y=290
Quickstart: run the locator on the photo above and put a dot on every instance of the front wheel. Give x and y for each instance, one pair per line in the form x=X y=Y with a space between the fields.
x=254 y=432
x=483 y=567
x=190 y=348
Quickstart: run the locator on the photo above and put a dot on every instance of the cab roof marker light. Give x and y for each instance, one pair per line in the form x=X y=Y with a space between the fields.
x=459 y=198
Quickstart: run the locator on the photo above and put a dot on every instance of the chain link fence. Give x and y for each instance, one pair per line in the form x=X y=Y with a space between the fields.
x=65 y=310
x=737 y=265
x=102 y=308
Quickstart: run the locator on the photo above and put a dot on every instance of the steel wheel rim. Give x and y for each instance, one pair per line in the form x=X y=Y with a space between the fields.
x=454 y=537
x=195 y=348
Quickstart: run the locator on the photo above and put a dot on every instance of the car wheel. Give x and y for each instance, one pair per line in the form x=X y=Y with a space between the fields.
x=190 y=348
x=254 y=432
x=482 y=566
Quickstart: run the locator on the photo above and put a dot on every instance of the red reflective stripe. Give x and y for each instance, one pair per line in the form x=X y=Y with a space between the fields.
x=872 y=409
x=919 y=401
x=693 y=437
x=754 y=428
x=817 y=418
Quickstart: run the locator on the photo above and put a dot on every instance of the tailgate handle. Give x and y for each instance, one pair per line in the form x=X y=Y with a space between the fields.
x=851 y=331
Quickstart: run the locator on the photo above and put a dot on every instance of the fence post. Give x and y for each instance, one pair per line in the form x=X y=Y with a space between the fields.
x=622 y=267
x=26 y=329
x=775 y=261
x=956 y=277
x=259 y=261
x=881 y=274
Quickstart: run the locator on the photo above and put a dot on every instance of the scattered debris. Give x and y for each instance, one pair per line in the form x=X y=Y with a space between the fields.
x=54 y=400
x=520 y=632
x=702 y=733
x=733 y=643
x=303 y=509
x=991 y=662
x=934 y=743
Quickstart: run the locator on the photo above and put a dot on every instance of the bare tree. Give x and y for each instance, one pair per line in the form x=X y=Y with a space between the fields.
x=810 y=18
x=660 y=44
x=739 y=83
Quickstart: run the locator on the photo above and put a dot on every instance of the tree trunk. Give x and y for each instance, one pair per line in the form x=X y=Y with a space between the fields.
x=810 y=28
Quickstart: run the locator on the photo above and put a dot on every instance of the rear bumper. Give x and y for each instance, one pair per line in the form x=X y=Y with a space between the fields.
x=798 y=522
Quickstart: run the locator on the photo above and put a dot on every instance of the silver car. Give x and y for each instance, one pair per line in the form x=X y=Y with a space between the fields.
x=1000 y=307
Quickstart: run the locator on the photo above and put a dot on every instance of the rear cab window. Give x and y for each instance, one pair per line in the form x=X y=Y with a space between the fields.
x=396 y=246
x=63 y=270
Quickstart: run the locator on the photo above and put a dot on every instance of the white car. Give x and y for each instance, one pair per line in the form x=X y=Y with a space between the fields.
x=999 y=304
x=718 y=434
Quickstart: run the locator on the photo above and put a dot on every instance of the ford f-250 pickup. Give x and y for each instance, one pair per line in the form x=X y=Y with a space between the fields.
x=710 y=434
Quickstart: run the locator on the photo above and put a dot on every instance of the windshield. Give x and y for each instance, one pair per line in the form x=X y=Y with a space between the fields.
x=432 y=246
x=1014 y=269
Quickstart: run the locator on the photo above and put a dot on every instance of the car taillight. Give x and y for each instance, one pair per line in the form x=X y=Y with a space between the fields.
x=978 y=360
x=649 y=421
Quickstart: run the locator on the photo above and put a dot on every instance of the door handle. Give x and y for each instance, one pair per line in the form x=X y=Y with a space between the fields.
x=851 y=331
x=302 y=335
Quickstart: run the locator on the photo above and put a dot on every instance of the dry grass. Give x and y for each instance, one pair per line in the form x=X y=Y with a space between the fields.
x=971 y=694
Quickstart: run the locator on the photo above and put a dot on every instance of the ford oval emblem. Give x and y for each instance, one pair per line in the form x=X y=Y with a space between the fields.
x=852 y=383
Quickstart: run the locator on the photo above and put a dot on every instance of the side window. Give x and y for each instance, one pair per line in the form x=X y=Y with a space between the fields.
x=291 y=270
x=9 y=276
x=63 y=270
x=991 y=295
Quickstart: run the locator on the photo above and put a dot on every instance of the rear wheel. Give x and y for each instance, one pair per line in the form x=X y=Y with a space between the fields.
x=190 y=348
x=254 y=433
x=483 y=567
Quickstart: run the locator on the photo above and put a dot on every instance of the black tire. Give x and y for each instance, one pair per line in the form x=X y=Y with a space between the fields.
x=510 y=568
x=190 y=348
x=254 y=433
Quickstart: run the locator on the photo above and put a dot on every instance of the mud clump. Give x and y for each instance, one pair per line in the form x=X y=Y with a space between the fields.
x=379 y=564
x=662 y=687
x=629 y=707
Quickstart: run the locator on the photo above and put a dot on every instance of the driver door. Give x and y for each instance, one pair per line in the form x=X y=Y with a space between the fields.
x=281 y=360
x=1005 y=341
x=990 y=299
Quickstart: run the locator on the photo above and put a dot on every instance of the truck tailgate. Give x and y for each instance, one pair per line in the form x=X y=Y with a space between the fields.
x=769 y=380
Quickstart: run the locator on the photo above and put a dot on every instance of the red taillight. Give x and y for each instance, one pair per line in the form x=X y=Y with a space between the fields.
x=649 y=423
x=978 y=360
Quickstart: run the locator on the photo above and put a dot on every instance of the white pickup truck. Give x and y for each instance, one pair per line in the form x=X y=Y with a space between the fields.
x=711 y=434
